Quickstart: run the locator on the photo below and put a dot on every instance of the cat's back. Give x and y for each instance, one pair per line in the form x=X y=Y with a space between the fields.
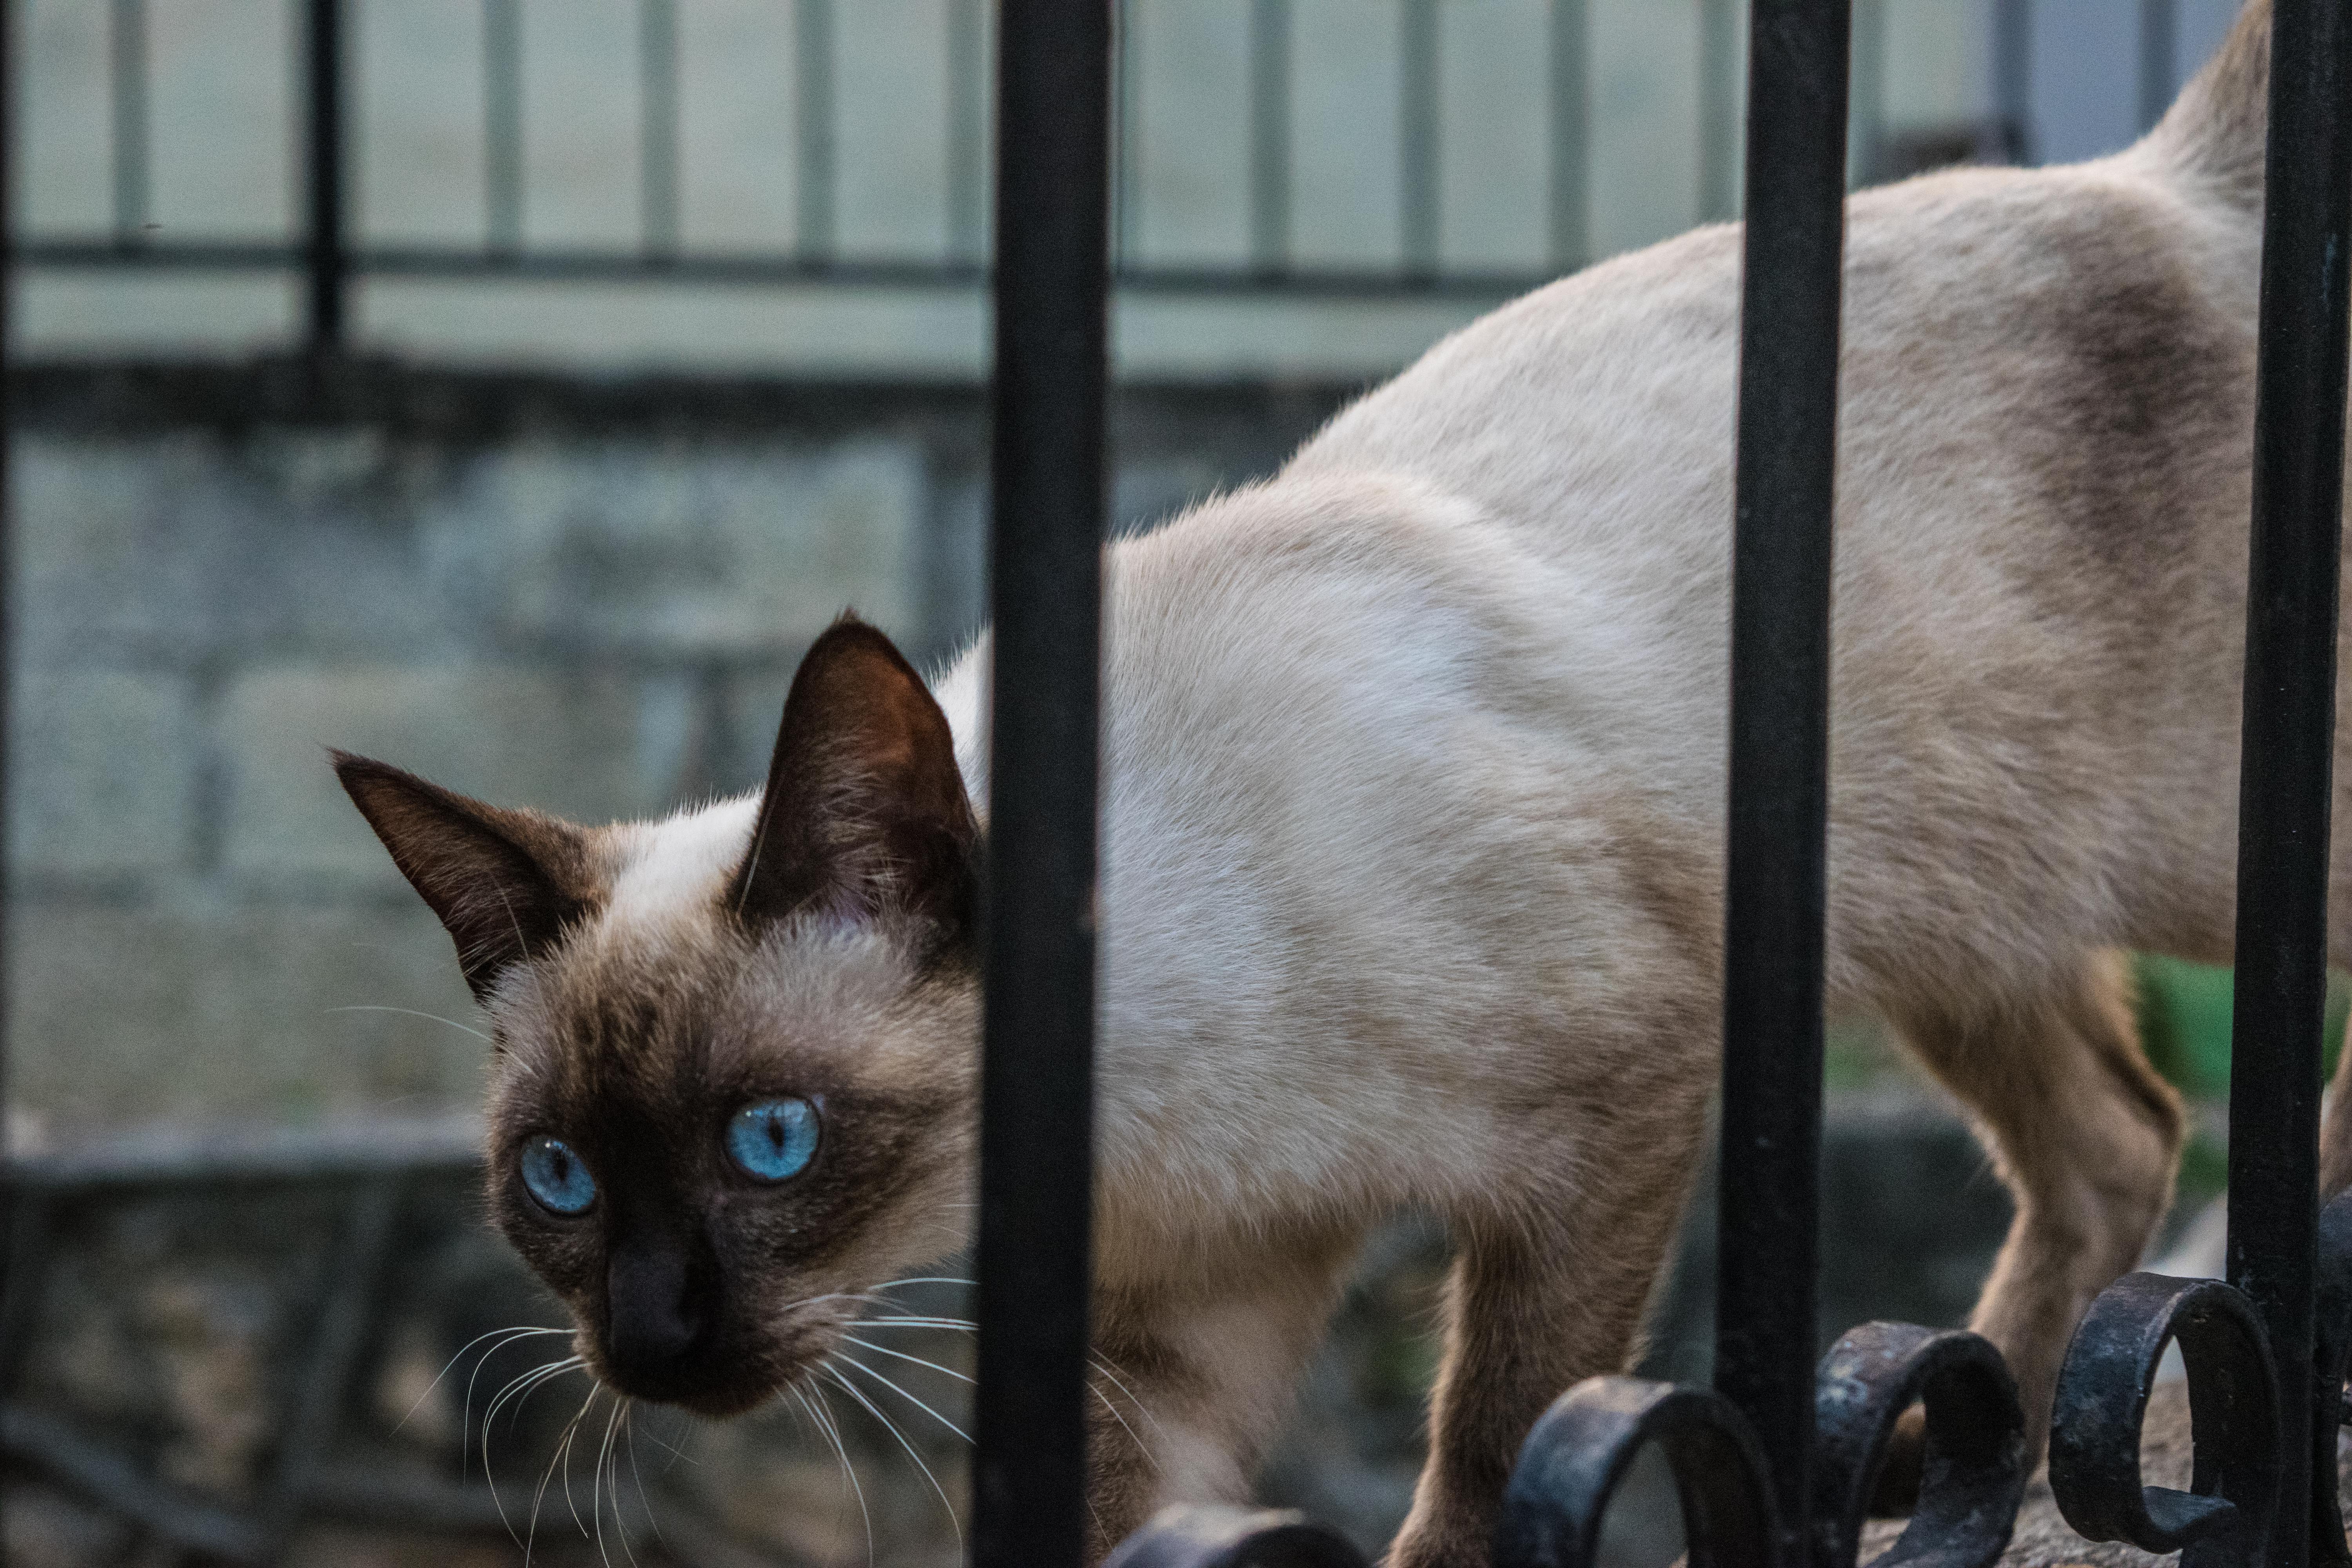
x=2046 y=427
x=1505 y=574
x=2034 y=364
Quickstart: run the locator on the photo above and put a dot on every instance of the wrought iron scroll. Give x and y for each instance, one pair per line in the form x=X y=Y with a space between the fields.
x=1211 y=1537
x=1578 y=1455
x=2103 y=1390
x=2332 y=1360
x=1973 y=1472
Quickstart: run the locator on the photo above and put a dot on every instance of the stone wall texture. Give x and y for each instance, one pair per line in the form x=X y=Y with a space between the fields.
x=589 y=600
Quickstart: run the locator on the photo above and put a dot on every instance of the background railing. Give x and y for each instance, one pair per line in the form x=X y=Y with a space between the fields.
x=331 y=249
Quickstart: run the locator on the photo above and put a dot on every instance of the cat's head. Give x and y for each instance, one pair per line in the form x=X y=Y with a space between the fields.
x=733 y=1051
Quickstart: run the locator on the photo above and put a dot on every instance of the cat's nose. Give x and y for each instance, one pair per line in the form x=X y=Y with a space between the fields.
x=655 y=1311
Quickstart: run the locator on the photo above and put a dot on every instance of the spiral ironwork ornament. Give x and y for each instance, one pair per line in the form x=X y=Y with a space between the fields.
x=1215 y=1537
x=2102 y=1401
x=1973 y=1472
x=2331 y=1360
x=1579 y=1454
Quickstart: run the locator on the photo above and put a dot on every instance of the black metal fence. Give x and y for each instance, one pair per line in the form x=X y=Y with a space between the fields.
x=1777 y=1464
x=331 y=255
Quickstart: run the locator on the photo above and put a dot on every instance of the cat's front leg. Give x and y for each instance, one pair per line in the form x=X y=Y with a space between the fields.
x=1194 y=1369
x=1548 y=1288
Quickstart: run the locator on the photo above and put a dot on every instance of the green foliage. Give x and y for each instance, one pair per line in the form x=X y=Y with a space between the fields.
x=2184 y=1021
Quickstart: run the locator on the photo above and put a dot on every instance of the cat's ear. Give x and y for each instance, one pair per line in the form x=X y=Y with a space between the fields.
x=505 y=883
x=865 y=813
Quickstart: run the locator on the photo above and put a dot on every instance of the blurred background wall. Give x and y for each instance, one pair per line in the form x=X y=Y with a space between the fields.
x=666 y=342
x=559 y=538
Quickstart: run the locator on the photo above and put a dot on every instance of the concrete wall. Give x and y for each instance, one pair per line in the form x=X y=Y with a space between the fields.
x=588 y=599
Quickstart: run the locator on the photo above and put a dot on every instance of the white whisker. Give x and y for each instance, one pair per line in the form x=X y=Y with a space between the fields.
x=961 y=1325
x=836 y=1296
x=1132 y=1435
x=521 y=1388
x=596 y=1496
x=629 y=1440
x=892 y=1427
x=1103 y=1364
x=562 y=1453
x=853 y=1361
x=826 y=1424
x=413 y=1013
x=677 y=1454
x=512 y=1335
x=537 y=1374
x=571 y=1503
x=902 y=1355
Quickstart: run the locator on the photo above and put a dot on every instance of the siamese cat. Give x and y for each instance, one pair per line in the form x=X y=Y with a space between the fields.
x=1413 y=837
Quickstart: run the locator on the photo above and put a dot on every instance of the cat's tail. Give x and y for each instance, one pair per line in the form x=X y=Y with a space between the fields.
x=2215 y=130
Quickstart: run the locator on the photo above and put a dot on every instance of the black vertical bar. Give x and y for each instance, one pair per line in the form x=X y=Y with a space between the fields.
x=26 y=1241
x=2290 y=725
x=1036 y=1157
x=2013 y=75
x=812 y=111
x=1269 y=135
x=2158 y=62
x=1570 y=125
x=967 y=131
x=330 y=265
x=657 y=109
x=1866 y=91
x=1418 y=209
x=1718 y=68
x=502 y=125
x=8 y=99
x=24 y=1218
x=126 y=79
x=1765 y=1329
x=1126 y=187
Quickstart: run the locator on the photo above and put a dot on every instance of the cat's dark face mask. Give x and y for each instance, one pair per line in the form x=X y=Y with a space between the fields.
x=732 y=1091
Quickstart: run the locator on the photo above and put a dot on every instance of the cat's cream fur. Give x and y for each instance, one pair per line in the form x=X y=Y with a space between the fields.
x=1414 y=818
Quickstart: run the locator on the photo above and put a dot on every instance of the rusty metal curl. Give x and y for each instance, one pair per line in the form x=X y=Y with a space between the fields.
x=2102 y=1400
x=1213 y=1536
x=1973 y=1474
x=2332 y=1360
x=1573 y=1462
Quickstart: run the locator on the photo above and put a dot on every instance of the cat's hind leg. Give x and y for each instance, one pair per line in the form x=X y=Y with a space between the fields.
x=2085 y=1136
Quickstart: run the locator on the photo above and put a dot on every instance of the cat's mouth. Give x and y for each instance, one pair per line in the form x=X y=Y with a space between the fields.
x=716 y=1387
x=716 y=1375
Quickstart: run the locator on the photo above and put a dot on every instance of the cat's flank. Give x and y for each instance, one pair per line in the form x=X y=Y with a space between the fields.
x=1414 y=833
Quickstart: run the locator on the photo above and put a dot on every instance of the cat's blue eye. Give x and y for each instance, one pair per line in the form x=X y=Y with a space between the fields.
x=774 y=1139
x=556 y=1177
